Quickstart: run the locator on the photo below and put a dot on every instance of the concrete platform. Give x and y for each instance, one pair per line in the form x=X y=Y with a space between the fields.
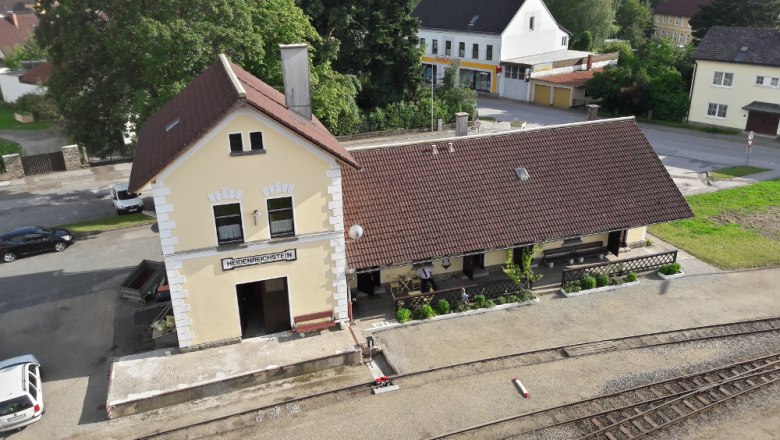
x=152 y=380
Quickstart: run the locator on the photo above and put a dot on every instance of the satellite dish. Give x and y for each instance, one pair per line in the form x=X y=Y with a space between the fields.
x=355 y=232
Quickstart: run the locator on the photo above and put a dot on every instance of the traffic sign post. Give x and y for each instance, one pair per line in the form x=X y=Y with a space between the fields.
x=749 y=146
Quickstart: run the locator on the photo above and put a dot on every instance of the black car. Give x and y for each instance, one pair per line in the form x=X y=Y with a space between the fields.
x=32 y=240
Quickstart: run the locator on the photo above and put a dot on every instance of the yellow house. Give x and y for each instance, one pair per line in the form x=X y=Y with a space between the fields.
x=247 y=188
x=671 y=20
x=736 y=80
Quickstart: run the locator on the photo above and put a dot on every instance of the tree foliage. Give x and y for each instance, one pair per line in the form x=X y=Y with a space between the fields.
x=118 y=61
x=745 y=13
x=583 y=41
x=579 y=16
x=634 y=19
x=375 y=40
x=29 y=51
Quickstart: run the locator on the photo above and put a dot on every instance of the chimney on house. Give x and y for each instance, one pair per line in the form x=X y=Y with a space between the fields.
x=590 y=61
x=295 y=69
x=461 y=124
x=14 y=19
x=593 y=112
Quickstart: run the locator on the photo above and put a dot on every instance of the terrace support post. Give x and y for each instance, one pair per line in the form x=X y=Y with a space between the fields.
x=13 y=166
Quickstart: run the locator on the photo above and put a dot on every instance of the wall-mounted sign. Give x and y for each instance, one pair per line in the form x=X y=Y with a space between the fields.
x=445 y=58
x=232 y=263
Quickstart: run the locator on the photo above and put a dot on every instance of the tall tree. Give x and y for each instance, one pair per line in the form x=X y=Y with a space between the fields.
x=116 y=62
x=375 y=40
x=745 y=13
x=635 y=20
x=579 y=16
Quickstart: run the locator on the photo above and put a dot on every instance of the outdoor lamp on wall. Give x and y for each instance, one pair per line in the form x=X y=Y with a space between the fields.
x=255 y=214
x=446 y=263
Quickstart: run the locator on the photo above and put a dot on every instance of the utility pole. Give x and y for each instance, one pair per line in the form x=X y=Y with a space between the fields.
x=433 y=76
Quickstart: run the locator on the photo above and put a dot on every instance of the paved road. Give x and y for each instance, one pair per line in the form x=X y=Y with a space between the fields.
x=37 y=141
x=61 y=307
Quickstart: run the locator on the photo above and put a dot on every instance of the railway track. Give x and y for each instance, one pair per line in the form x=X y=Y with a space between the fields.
x=641 y=411
x=411 y=380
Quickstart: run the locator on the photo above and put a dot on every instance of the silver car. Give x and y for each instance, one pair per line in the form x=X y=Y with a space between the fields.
x=125 y=201
x=21 y=395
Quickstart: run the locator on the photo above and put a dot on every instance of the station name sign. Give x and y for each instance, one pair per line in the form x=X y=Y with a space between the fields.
x=232 y=263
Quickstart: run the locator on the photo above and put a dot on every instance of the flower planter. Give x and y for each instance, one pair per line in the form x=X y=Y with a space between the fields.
x=598 y=289
x=672 y=276
x=24 y=117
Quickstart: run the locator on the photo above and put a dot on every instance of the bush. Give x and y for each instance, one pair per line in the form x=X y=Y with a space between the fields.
x=500 y=300
x=602 y=280
x=615 y=281
x=442 y=307
x=648 y=242
x=461 y=307
x=424 y=312
x=572 y=287
x=488 y=304
x=403 y=315
x=8 y=147
x=42 y=107
x=512 y=299
x=588 y=283
x=670 y=269
x=480 y=300
x=631 y=277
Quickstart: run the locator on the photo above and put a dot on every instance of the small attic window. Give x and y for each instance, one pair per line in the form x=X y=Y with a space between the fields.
x=473 y=20
x=522 y=173
x=172 y=124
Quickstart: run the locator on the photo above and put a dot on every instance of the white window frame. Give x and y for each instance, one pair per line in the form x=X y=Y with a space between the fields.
x=762 y=78
x=240 y=216
x=294 y=219
x=717 y=108
x=774 y=82
x=723 y=77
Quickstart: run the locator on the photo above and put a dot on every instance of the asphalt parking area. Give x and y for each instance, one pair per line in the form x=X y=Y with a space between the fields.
x=61 y=308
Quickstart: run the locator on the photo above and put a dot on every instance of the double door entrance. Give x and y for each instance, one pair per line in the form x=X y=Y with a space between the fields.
x=263 y=307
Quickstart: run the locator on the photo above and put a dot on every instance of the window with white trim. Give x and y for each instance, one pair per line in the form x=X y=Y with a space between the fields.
x=475 y=51
x=514 y=71
x=434 y=47
x=228 y=221
x=759 y=80
x=462 y=49
x=677 y=20
x=256 y=140
x=774 y=82
x=717 y=110
x=489 y=52
x=236 y=143
x=280 y=217
x=447 y=47
x=723 y=79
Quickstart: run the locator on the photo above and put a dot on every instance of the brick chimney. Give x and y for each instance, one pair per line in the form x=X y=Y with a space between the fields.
x=14 y=19
x=461 y=124
x=593 y=112
x=295 y=69
x=590 y=61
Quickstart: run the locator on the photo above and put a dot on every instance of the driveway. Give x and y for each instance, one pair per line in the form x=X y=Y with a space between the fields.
x=37 y=141
x=60 y=307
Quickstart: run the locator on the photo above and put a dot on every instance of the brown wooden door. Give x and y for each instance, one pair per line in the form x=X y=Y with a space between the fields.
x=276 y=305
x=614 y=242
x=468 y=266
x=764 y=123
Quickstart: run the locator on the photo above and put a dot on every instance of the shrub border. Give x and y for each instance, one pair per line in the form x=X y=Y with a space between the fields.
x=598 y=289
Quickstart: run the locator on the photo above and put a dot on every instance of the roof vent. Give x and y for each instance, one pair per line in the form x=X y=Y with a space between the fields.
x=473 y=20
x=172 y=124
x=452 y=148
x=435 y=150
x=522 y=173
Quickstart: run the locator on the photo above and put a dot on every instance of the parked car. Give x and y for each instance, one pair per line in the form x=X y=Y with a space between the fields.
x=125 y=201
x=21 y=394
x=32 y=240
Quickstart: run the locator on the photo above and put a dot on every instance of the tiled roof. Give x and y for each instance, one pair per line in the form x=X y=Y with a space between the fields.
x=11 y=36
x=578 y=78
x=584 y=178
x=740 y=45
x=493 y=15
x=680 y=8
x=37 y=75
x=202 y=104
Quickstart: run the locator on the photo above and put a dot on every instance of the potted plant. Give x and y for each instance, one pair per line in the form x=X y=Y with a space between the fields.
x=670 y=271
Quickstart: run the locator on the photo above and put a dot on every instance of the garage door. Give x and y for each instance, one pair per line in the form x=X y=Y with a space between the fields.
x=561 y=97
x=541 y=94
x=761 y=122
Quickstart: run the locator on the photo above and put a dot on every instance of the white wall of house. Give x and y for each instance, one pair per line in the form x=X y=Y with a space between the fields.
x=516 y=89
x=742 y=91
x=519 y=39
x=469 y=40
x=12 y=89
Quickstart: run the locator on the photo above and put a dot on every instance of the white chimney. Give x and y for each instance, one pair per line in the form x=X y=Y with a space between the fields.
x=295 y=69
x=461 y=124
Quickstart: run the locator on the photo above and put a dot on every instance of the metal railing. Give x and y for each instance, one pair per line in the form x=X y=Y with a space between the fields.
x=619 y=267
x=491 y=290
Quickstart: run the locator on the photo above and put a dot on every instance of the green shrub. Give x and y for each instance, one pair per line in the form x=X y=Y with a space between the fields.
x=442 y=307
x=512 y=299
x=8 y=147
x=403 y=315
x=42 y=107
x=588 y=283
x=670 y=269
x=602 y=280
x=631 y=277
x=462 y=307
x=488 y=304
x=572 y=287
x=615 y=281
x=500 y=300
x=424 y=312
x=480 y=300
x=648 y=242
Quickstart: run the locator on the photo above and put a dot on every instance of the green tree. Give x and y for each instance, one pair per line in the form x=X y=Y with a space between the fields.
x=609 y=84
x=118 y=62
x=744 y=13
x=375 y=40
x=668 y=96
x=584 y=41
x=579 y=16
x=29 y=51
x=634 y=19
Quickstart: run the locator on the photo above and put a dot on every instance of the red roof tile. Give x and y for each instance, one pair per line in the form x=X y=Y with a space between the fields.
x=680 y=8
x=202 y=104
x=37 y=75
x=585 y=178
x=577 y=78
x=12 y=36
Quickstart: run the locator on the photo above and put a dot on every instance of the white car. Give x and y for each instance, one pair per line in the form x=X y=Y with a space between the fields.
x=21 y=395
x=125 y=201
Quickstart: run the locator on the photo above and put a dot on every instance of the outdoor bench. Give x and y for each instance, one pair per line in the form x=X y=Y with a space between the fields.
x=590 y=249
x=565 y=253
x=315 y=326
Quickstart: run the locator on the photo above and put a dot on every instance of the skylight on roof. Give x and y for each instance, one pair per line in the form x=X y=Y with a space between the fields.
x=172 y=124
x=522 y=173
x=473 y=21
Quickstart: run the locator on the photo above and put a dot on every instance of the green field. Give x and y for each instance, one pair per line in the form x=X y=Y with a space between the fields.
x=732 y=229
x=7 y=121
x=739 y=171
x=107 y=224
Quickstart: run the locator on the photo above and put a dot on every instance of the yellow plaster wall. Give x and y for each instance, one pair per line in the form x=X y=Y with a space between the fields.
x=636 y=234
x=212 y=168
x=211 y=292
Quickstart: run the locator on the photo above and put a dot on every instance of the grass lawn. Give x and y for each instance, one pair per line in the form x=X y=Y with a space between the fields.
x=731 y=172
x=107 y=224
x=7 y=121
x=732 y=229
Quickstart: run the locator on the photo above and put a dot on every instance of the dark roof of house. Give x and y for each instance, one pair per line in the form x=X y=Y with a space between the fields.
x=12 y=36
x=578 y=78
x=493 y=15
x=585 y=178
x=37 y=75
x=202 y=104
x=680 y=8
x=740 y=45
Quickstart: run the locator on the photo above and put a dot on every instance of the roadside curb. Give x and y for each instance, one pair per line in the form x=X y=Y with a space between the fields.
x=88 y=234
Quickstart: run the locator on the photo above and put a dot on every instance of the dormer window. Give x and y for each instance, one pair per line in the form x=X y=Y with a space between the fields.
x=236 y=143
x=256 y=140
